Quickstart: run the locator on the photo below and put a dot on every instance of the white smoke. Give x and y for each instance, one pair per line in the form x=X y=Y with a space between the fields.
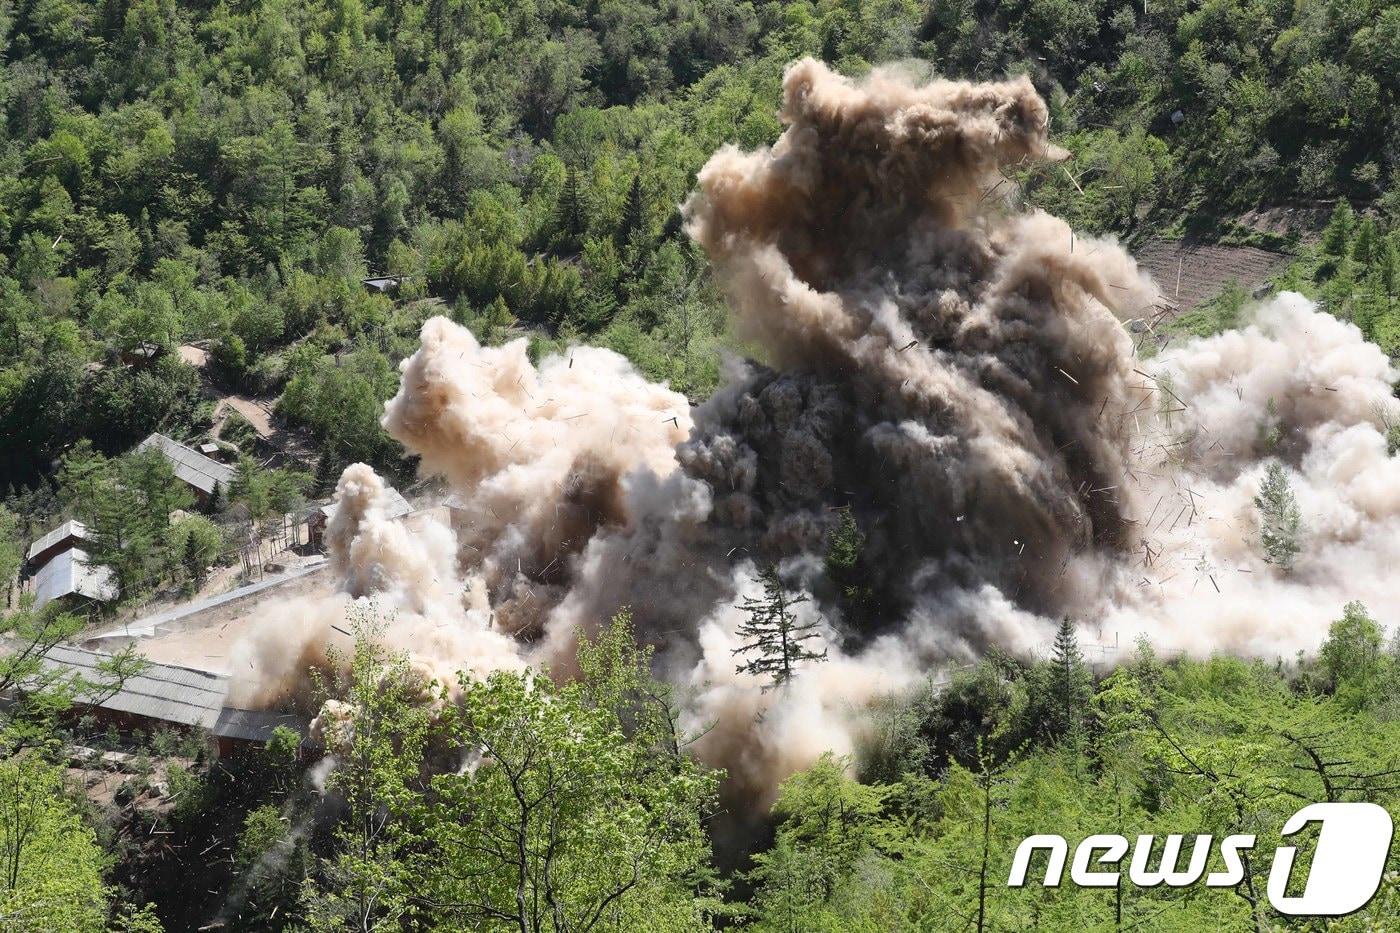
x=1295 y=383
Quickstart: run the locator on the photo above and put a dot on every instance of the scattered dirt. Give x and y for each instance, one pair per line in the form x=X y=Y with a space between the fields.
x=112 y=780
x=1193 y=274
x=193 y=355
x=206 y=640
x=1302 y=220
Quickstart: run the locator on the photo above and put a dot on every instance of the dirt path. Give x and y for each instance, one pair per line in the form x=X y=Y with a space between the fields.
x=258 y=414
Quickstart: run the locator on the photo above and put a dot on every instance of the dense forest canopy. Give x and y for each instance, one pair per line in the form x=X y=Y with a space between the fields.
x=227 y=175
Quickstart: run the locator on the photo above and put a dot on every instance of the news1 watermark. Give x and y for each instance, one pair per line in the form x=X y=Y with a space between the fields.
x=1353 y=845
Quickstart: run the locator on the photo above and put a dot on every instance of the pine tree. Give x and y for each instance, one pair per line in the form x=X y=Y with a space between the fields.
x=773 y=635
x=597 y=309
x=216 y=497
x=326 y=474
x=1280 y=522
x=1387 y=271
x=193 y=561
x=1366 y=245
x=571 y=218
x=120 y=536
x=634 y=219
x=497 y=318
x=1336 y=237
x=1071 y=686
x=843 y=549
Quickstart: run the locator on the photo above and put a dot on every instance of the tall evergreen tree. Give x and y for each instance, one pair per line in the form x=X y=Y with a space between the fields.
x=1280 y=522
x=633 y=225
x=193 y=561
x=774 y=639
x=844 y=544
x=1336 y=237
x=571 y=217
x=1065 y=685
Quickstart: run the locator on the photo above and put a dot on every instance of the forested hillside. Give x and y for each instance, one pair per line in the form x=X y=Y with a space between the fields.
x=229 y=173
x=194 y=199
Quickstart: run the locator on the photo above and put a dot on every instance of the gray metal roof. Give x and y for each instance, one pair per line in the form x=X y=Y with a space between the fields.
x=69 y=572
x=253 y=725
x=71 y=528
x=183 y=695
x=191 y=466
x=162 y=691
x=396 y=507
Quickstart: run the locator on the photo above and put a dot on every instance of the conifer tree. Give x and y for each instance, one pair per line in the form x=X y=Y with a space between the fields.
x=844 y=545
x=326 y=475
x=1280 y=522
x=193 y=561
x=1336 y=237
x=572 y=216
x=633 y=225
x=1365 y=246
x=1071 y=684
x=774 y=639
x=1387 y=271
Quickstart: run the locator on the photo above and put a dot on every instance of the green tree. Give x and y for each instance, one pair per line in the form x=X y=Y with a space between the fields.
x=1365 y=247
x=11 y=553
x=378 y=745
x=42 y=693
x=50 y=863
x=632 y=232
x=200 y=543
x=1336 y=237
x=602 y=838
x=844 y=545
x=1059 y=690
x=1353 y=658
x=567 y=813
x=775 y=641
x=1070 y=683
x=571 y=215
x=827 y=823
x=1280 y=521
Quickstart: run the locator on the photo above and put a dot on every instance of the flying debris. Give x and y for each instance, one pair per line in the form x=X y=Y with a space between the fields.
x=1015 y=470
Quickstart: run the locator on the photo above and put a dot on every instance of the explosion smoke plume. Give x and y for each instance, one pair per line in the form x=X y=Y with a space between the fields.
x=952 y=372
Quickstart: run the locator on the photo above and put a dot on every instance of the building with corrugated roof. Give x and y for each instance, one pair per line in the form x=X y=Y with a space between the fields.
x=191 y=467
x=73 y=573
x=174 y=696
x=60 y=567
x=70 y=534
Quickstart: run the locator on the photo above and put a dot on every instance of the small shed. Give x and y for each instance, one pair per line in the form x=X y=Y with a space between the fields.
x=72 y=573
x=70 y=534
x=320 y=516
x=191 y=467
x=383 y=284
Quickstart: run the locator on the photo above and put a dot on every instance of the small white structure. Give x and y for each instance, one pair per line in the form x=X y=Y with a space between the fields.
x=72 y=573
x=60 y=567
